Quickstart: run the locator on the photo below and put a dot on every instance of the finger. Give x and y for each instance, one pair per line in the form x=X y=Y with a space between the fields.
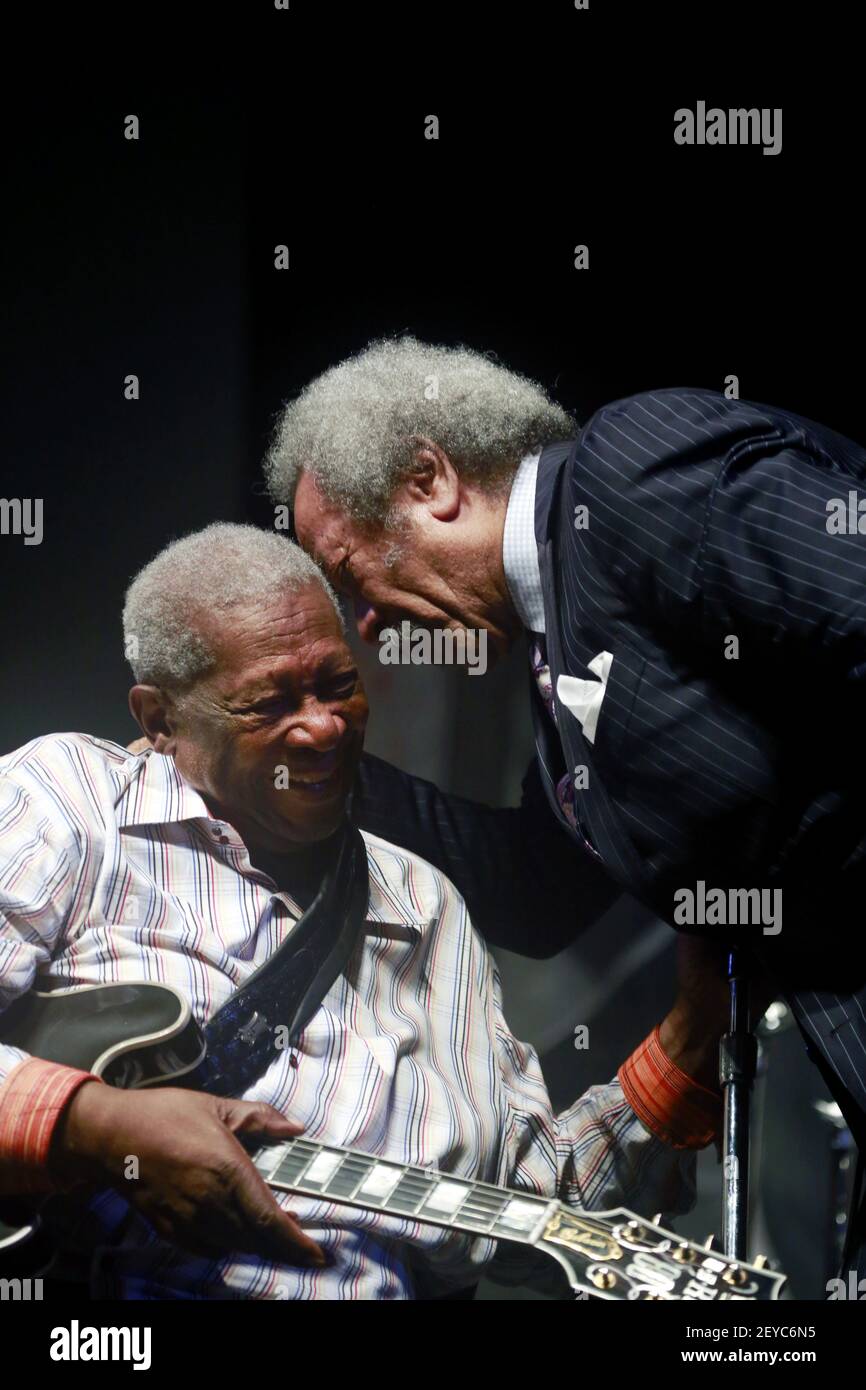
x=256 y=1117
x=292 y=1245
x=278 y=1234
x=281 y=1242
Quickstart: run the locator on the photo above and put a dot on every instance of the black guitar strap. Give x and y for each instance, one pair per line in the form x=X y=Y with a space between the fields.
x=276 y=1003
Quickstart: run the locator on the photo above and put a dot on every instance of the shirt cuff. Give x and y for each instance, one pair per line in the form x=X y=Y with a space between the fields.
x=32 y=1099
x=668 y=1102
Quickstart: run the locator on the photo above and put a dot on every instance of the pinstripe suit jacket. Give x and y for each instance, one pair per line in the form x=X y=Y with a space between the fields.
x=741 y=762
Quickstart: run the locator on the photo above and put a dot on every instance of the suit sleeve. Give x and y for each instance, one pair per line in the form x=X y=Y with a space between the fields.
x=772 y=566
x=528 y=887
x=726 y=524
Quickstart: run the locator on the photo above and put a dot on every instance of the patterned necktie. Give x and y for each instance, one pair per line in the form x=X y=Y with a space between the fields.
x=541 y=671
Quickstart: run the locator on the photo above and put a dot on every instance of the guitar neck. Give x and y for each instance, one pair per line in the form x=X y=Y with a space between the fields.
x=612 y=1254
x=400 y=1189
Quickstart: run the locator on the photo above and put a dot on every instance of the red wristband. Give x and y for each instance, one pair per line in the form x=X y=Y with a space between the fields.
x=32 y=1099
x=671 y=1104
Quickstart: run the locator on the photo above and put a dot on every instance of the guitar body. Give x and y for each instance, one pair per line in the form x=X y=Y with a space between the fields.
x=130 y=1035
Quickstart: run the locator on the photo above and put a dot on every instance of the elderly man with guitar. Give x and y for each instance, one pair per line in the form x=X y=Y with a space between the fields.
x=217 y=992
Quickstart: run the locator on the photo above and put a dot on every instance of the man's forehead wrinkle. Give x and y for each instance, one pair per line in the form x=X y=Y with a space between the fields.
x=249 y=643
x=276 y=669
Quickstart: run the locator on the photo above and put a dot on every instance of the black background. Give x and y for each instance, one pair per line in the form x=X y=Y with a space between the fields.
x=306 y=127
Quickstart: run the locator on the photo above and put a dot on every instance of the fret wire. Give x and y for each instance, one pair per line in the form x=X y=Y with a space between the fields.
x=297 y=1149
x=485 y=1217
x=410 y=1171
x=418 y=1184
x=410 y=1189
x=366 y=1169
x=358 y=1169
x=419 y=1198
x=486 y=1220
x=401 y=1202
x=360 y=1175
x=482 y=1206
x=509 y=1230
x=493 y=1218
x=429 y=1183
x=285 y=1174
x=482 y=1199
x=413 y=1209
x=424 y=1188
x=302 y=1186
x=364 y=1166
x=308 y=1160
x=469 y=1204
x=366 y=1172
x=482 y=1224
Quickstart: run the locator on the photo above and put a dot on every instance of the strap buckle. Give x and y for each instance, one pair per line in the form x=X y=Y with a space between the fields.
x=252 y=1030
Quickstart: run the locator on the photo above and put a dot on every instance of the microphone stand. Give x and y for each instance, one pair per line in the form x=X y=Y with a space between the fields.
x=738 y=1054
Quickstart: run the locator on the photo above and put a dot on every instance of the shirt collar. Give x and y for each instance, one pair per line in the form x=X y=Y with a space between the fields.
x=155 y=793
x=519 y=548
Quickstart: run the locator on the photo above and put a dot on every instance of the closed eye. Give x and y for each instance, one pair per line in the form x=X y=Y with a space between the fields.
x=341 y=687
x=264 y=706
x=343 y=576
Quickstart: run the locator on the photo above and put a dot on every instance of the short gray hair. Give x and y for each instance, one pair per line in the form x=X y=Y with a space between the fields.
x=354 y=427
x=213 y=570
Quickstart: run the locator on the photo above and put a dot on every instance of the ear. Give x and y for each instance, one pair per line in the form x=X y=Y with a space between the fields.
x=434 y=482
x=154 y=712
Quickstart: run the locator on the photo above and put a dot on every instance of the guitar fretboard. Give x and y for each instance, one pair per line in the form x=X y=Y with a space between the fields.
x=612 y=1254
x=383 y=1185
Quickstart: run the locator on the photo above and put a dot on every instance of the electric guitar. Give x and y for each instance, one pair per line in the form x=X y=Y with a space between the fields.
x=138 y=1035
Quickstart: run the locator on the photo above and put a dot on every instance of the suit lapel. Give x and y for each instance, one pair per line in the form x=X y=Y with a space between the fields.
x=598 y=819
x=548 y=747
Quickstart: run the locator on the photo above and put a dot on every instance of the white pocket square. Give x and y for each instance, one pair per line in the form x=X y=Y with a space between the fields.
x=584 y=698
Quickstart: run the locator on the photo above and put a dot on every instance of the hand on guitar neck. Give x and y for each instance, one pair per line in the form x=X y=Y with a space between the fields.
x=196 y=1184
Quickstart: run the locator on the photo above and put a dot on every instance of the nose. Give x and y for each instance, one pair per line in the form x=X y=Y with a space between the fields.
x=367 y=620
x=319 y=729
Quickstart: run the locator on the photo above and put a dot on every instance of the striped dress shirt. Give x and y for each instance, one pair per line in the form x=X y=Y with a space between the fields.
x=113 y=869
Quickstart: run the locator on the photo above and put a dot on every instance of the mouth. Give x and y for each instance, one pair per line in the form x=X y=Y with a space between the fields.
x=320 y=783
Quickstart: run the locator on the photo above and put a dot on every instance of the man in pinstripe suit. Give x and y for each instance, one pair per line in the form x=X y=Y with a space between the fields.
x=691 y=573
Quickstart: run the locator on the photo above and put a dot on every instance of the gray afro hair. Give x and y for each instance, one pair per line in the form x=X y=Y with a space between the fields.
x=209 y=571
x=353 y=428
